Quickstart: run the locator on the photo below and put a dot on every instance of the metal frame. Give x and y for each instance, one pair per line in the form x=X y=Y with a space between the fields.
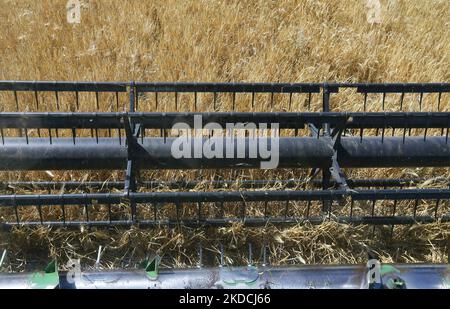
x=391 y=276
x=327 y=149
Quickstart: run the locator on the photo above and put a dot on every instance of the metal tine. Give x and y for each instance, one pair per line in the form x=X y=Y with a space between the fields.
x=36 y=99
x=26 y=135
x=308 y=207
x=384 y=98
x=373 y=215
x=176 y=100
x=178 y=211
x=2 y=259
x=16 y=210
x=120 y=136
x=436 y=209
x=383 y=130
x=3 y=136
x=96 y=135
x=264 y=253
x=63 y=209
x=222 y=210
x=57 y=133
x=426 y=129
x=234 y=101
x=373 y=208
x=99 y=256
x=86 y=210
x=401 y=100
x=290 y=100
x=309 y=100
x=57 y=100
x=215 y=100
x=97 y=100
x=271 y=99
x=74 y=135
x=39 y=208
x=109 y=213
x=136 y=101
x=50 y=135
x=117 y=101
x=77 y=100
x=199 y=211
x=243 y=210
x=195 y=101
x=361 y=130
x=17 y=100
x=253 y=100
x=416 y=204
x=250 y=255
x=365 y=101
x=221 y=255
x=352 y=203
x=394 y=210
x=200 y=256
x=330 y=211
x=420 y=101
x=286 y=208
x=439 y=101
x=446 y=136
x=156 y=100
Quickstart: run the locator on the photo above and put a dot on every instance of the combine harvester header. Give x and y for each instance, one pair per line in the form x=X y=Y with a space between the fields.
x=324 y=139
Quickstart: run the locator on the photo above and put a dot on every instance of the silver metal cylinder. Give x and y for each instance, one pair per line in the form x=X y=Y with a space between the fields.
x=409 y=276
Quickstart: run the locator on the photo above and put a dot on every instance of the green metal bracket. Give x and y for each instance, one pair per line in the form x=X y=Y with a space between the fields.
x=392 y=282
x=247 y=277
x=388 y=269
x=151 y=266
x=48 y=279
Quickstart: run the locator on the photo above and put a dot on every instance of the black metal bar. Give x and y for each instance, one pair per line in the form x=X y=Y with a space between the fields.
x=249 y=222
x=220 y=196
x=62 y=86
x=182 y=184
x=283 y=119
x=400 y=88
x=221 y=87
x=156 y=153
x=229 y=87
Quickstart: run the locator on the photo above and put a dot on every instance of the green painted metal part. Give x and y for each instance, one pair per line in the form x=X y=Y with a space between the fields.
x=248 y=277
x=151 y=266
x=48 y=279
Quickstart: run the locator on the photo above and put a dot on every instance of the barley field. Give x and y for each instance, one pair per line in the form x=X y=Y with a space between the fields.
x=227 y=41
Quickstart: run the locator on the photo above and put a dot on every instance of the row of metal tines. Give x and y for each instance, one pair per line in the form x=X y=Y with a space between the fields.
x=134 y=96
